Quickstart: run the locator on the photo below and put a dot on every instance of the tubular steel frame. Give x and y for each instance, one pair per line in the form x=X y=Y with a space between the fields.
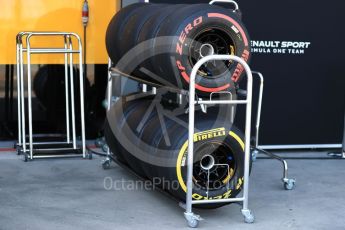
x=67 y=148
x=191 y=218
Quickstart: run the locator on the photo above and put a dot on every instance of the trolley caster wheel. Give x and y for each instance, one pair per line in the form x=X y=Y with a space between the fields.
x=26 y=157
x=289 y=184
x=105 y=148
x=192 y=220
x=193 y=223
x=106 y=164
x=248 y=216
x=89 y=156
x=255 y=155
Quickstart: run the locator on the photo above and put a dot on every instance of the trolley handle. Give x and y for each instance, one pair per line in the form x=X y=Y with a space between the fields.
x=234 y=3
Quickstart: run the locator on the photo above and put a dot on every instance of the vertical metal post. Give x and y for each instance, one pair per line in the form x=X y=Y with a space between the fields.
x=109 y=94
x=29 y=95
x=110 y=85
x=343 y=149
x=258 y=115
x=144 y=88
x=72 y=93
x=247 y=138
x=18 y=96
x=22 y=92
x=66 y=94
x=82 y=107
x=190 y=155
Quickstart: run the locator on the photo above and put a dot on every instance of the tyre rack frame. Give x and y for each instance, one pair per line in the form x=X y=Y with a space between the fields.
x=191 y=218
x=50 y=149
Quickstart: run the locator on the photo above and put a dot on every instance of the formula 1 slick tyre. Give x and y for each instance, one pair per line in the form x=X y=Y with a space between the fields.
x=158 y=152
x=175 y=38
x=196 y=32
x=117 y=24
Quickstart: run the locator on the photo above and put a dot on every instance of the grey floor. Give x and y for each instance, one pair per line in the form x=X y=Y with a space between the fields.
x=70 y=194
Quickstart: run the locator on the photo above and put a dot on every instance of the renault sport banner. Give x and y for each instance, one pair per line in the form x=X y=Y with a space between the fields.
x=298 y=46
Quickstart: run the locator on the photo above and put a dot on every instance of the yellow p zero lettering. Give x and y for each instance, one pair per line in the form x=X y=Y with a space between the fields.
x=239 y=184
x=197 y=196
x=227 y=194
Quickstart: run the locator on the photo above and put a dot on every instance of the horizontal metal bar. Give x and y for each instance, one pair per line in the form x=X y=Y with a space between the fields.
x=58 y=156
x=311 y=146
x=214 y=201
x=51 y=51
x=117 y=73
x=223 y=102
x=51 y=143
x=45 y=33
x=55 y=150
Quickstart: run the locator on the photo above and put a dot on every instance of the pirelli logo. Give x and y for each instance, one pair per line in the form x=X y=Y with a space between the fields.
x=210 y=134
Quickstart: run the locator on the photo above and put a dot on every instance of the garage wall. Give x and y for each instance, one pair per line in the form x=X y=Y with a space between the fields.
x=62 y=15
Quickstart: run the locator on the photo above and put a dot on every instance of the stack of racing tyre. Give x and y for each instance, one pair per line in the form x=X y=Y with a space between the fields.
x=161 y=43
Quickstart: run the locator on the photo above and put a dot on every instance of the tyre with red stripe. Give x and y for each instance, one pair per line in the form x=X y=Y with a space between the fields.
x=148 y=33
x=177 y=36
x=199 y=31
x=129 y=30
x=113 y=36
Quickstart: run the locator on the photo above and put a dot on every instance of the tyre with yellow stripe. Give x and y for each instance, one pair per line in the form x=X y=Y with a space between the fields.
x=155 y=147
x=218 y=162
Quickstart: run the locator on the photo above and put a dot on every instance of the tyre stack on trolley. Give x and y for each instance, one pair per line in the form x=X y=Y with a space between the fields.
x=160 y=43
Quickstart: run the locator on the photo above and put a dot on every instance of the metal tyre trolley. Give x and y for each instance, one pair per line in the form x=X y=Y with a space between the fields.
x=50 y=149
x=191 y=218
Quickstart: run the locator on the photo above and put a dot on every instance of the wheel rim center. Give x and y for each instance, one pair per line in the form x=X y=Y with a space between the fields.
x=206 y=50
x=207 y=162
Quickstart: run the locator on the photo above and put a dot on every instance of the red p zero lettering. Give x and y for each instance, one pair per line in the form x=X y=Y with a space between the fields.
x=185 y=32
x=239 y=68
x=179 y=48
x=180 y=66
x=183 y=37
x=188 y=28
x=197 y=21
